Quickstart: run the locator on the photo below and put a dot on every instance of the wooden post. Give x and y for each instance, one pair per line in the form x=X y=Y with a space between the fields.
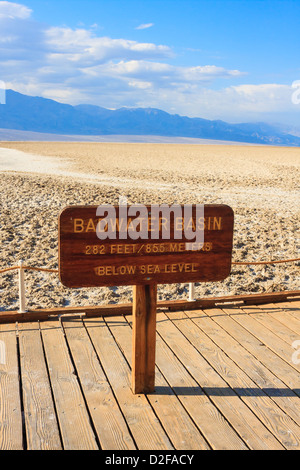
x=144 y=338
x=22 y=307
x=191 y=292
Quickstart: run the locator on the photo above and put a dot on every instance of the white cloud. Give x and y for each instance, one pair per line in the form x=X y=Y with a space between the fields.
x=54 y=61
x=83 y=45
x=159 y=73
x=140 y=84
x=267 y=91
x=14 y=10
x=260 y=99
x=269 y=102
x=79 y=65
x=145 y=26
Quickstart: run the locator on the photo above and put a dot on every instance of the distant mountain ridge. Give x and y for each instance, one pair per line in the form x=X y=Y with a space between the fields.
x=35 y=114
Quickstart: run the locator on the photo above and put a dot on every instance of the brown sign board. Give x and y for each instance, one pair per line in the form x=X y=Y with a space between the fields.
x=87 y=261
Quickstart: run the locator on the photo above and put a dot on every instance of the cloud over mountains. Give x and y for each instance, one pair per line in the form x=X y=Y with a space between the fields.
x=45 y=60
x=76 y=65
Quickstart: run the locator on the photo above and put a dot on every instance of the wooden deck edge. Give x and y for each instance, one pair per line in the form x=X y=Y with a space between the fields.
x=251 y=299
x=126 y=309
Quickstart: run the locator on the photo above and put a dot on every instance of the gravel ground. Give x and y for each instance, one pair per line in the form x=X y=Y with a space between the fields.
x=261 y=184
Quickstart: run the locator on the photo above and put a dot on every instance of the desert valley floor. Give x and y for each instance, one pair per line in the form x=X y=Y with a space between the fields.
x=38 y=179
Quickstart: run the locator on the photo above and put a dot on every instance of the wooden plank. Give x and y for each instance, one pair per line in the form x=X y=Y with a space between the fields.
x=144 y=338
x=212 y=414
x=146 y=430
x=267 y=382
x=273 y=323
x=293 y=305
x=172 y=305
x=177 y=423
x=293 y=311
x=273 y=418
x=42 y=431
x=108 y=421
x=211 y=420
x=216 y=384
x=272 y=341
x=73 y=417
x=250 y=299
x=288 y=375
x=123 y=259
x=11 y=432
x=46 y=314
x=283 y=315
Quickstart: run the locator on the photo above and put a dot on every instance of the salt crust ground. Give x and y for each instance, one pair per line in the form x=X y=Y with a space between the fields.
x=260 y=183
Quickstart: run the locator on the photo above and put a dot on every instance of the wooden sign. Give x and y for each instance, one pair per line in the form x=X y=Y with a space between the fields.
x=99 y=251
x=87 y=261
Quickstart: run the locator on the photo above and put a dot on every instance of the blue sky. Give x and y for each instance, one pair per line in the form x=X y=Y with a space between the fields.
x=234 y=60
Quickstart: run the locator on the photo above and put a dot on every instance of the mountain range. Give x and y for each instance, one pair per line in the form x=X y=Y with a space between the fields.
x=36 y=114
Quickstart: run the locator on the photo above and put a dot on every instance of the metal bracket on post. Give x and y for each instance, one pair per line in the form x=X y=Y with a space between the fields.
x=22 y=299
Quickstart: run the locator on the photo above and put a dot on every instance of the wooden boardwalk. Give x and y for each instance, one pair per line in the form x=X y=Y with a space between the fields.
x=226 y=378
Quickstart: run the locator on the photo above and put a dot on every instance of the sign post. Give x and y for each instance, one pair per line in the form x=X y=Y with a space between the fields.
x=96 y=250
x=144 y=338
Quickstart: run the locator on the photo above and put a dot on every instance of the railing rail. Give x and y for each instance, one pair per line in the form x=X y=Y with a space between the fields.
x=21 y=267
